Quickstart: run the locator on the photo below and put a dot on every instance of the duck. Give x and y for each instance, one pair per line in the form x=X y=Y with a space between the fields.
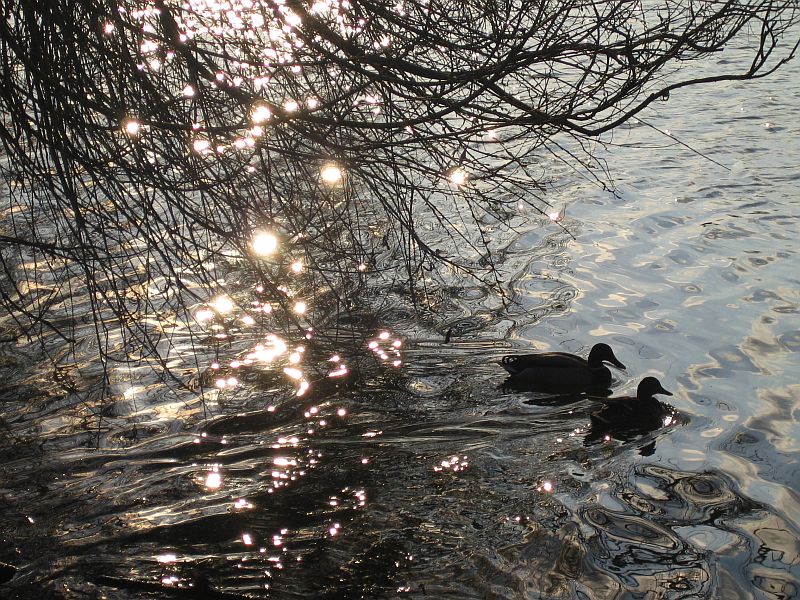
x=560 y=370
x=625 y=417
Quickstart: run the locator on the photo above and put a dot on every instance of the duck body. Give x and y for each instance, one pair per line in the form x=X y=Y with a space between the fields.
x=625 y=417
x=560 y=370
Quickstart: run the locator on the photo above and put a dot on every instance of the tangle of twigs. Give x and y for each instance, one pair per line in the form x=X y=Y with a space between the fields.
x=147 y=143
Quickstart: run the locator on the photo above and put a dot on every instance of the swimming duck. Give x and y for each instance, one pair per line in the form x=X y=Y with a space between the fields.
x=625 y=417
x=559 y=370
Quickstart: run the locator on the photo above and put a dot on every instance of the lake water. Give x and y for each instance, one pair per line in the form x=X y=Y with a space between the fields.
x=431 y=480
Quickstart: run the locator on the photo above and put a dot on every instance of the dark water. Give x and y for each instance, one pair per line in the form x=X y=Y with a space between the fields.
x=429 y=479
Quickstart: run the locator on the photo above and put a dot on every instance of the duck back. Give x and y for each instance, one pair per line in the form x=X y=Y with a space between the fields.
x=555 y=371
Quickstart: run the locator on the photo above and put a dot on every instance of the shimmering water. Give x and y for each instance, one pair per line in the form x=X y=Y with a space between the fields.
x=431 y=480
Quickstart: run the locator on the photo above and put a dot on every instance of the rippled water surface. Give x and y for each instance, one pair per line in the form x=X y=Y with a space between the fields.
x=432 y=480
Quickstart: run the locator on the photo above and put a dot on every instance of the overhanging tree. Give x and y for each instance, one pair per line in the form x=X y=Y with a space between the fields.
x=148 y=145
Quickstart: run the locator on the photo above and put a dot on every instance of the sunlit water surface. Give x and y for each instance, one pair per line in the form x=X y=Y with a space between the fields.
x=430 y=480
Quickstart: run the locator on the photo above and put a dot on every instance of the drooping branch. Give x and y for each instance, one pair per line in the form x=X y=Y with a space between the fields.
x=148 y=143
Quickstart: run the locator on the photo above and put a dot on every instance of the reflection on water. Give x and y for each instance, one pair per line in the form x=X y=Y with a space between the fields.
x=405 y=469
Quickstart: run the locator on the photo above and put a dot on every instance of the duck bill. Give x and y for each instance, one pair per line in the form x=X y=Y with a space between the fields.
x=616 y=363
x=665 y=392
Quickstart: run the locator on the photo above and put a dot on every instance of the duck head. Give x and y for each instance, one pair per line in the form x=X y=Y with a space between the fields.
x=602 y=353
x=650 y=386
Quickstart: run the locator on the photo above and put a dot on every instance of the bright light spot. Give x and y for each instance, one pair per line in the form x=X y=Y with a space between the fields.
x=384 y=335
x=293 y=20
x=291 y=106
x=264 y=243
x=555 y=217
x=132 y=127
x=547 y=486
x=331 y=174
x=132 y=391
x=188 y=91
x=300 y=308
x=265 y=353
x=201 y=145
x=458 y=176
x=293 y=373
x=213 y=480
x=312 y=103
x=108 y=28
x=342 y=370
x=281 y=462
x=220 y=383
x=341 y=412
x=223 y=305
x=455 y=463
x=294 y=358
x=261 y=113
x=297 y=266
x=232 y=382
x=166 y=558
x=248 y=320
x=247 y=539
x=362 y=267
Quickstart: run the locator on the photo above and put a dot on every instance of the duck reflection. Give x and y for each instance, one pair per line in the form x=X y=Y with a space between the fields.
x=7 y=572
x=628 y=417
x=543 y=397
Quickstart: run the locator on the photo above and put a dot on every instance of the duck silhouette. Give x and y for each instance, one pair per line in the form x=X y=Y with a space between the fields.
x=560 y=370
x=627 y=417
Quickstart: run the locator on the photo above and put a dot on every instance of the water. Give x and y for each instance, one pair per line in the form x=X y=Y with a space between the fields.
x=431 y=480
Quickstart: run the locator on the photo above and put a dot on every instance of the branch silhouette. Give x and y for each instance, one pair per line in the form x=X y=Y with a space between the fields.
x=147 y=143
